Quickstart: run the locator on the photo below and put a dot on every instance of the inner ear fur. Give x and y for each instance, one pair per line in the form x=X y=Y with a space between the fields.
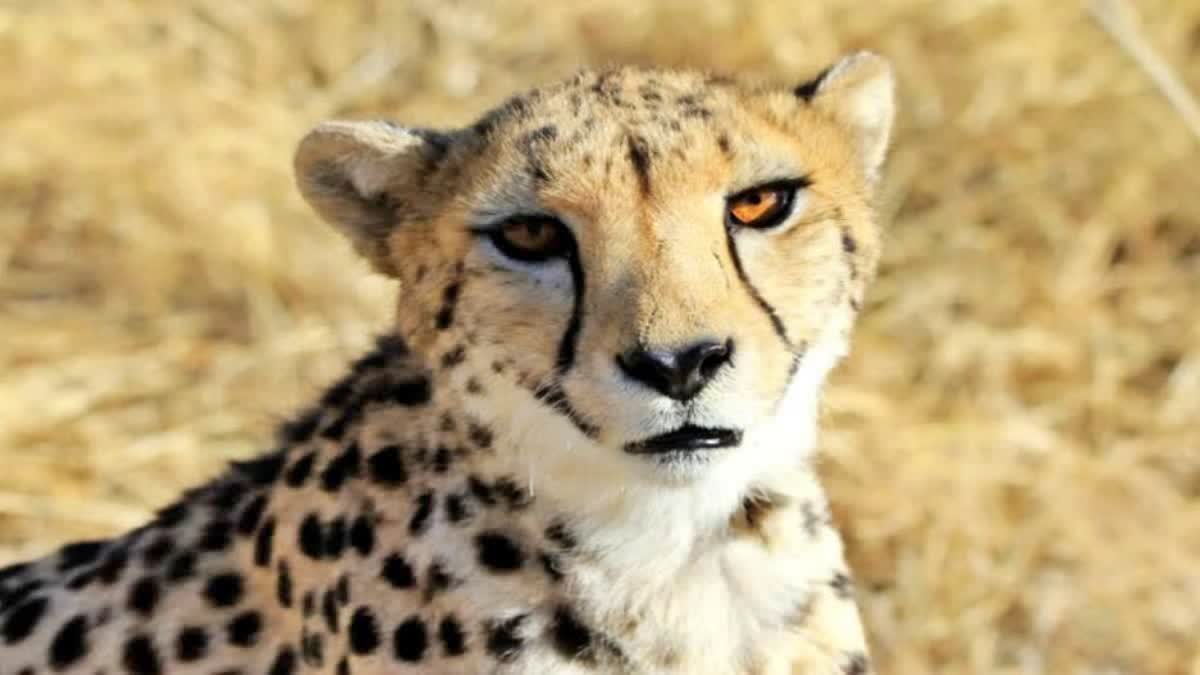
x=354 y=174
x=859 y=93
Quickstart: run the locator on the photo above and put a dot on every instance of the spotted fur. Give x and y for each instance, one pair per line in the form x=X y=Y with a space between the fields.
x=470 y=497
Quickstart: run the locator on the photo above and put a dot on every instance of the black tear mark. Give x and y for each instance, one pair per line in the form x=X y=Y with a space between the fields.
x=776 y=322
x=569 y=343
x=807 y=90
x=639 y=158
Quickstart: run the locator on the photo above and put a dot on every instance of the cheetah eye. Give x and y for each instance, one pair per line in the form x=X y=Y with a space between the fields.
x=763 y=206
x=532 y=238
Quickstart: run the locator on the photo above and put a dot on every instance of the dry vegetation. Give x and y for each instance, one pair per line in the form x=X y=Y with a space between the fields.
x=1014 y=448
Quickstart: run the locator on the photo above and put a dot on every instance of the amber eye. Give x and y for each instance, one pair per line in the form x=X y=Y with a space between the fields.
x=763 y=206
x=532 y=238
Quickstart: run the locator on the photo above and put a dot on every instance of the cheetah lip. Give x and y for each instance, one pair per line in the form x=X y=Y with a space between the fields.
x=687 y=438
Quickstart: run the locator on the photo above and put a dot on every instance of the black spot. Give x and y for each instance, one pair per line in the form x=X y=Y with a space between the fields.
x=172 y=515
x=386 y=466
x=639 y=158
x=480 y=435
x=22 y=620
x=454 y=357
x=457 y=509
x=337 y=428
x=158 y=551
x=362 y=535
x=481 y=490
x=848 y=243
x=560 y=535
x=226 y=495
x=285 y=662
x=312 y=537
x=191 y=644
x=114 y=564
x=14 y=597
x=454 y=640
x=842 y=585
x=473 y=386
x=69 y=644
x=140 y=657
x=552 y=565
x=437 y=580
x=345 y=465
x=343 y=667
x=514 y=496
x=181 y=567
x=263 y=543
x=364 y=632
x=244 y=629
x=329 y=610
x=78 y=554
x=143 y=596
x=410 y=640
x=309 y=603
x=337 y=395
x=312 y=647
x=441 y=460
x=12 y=572
x=409 y=392
x=224 y=590
x=262 y=470
x=421 y=516
x=343 y=589
x=251 y=515
x=299 y=472
x=301 y=429
x=572 y=639
x=724 y=146
x=445 y=315
x=447 y=424
x=808 y=90
x=335 y=537
x=856 y=664
x=217 y=535
x=398 y=572
x=283 y=584
x=504 y=640
x=499 y=553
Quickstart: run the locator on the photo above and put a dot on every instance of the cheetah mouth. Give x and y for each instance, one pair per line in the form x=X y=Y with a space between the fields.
x=688 y=438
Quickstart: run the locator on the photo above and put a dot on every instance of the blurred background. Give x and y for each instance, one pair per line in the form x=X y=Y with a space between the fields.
x=1013 y=448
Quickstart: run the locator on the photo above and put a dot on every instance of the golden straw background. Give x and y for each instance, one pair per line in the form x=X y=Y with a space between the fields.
x=1013 y=447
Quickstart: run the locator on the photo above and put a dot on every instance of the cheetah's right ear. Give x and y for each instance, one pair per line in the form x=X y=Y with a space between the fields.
x=859 y=93
x=355 y=174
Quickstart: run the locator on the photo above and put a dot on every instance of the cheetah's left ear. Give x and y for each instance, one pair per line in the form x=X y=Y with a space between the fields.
x=357 y=175
x=859 y=92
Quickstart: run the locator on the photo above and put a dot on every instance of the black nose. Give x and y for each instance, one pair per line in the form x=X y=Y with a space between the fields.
x=679 y=374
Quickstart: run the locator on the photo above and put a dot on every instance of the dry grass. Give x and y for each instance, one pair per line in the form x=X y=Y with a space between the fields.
x=1014 y=448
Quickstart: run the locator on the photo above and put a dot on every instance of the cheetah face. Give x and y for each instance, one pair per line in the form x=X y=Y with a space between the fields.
x=670 y=263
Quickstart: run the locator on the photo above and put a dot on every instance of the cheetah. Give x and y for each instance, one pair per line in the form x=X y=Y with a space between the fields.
x=584 y=445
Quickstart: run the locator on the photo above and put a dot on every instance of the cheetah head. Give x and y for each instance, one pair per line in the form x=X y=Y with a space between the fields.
x=647 y=273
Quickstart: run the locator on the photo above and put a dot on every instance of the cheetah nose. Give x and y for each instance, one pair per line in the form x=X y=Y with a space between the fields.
x=679 y=374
